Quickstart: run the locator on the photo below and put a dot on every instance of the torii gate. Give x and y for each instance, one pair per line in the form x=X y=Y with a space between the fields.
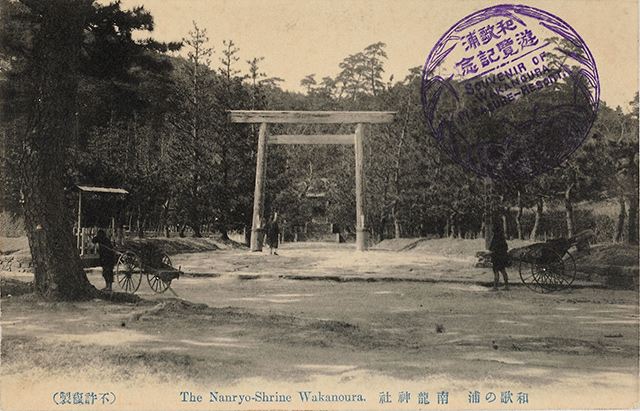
x=308 y=117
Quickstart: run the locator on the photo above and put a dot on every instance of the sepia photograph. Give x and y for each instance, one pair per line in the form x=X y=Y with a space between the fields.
x=319 y=205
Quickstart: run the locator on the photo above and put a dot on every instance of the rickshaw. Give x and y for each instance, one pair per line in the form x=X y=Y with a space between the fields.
x=147 y=260
x=546 y=267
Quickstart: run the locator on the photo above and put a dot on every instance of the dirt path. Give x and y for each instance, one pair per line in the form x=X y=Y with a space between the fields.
x=326 y=319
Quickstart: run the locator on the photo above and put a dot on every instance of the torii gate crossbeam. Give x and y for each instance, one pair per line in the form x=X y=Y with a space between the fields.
x=308 y=117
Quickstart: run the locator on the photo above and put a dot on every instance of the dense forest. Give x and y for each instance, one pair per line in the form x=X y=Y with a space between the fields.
x=151 y=118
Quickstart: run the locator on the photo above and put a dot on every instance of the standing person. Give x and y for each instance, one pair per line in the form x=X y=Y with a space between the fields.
x=499 y=255
x=273 y=234
x=107 y=257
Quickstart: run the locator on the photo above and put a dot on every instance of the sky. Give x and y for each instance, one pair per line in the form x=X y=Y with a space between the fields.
x=302 y=37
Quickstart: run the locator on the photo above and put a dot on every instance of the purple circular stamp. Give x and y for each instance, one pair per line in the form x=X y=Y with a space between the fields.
x=510 y=92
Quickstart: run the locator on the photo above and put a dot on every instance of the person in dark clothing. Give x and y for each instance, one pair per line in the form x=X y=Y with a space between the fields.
x=107 y=257
x=273 y=234
x=499 y=255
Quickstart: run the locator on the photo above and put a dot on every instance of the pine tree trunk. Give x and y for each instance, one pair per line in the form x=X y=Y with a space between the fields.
x=631 y=189
x=633 y=219
x=622 y=215
x=396 y=223
x=247 y=235
x=538 y=219
x=164 y=218
x=568 y=206
x=504 y=225
x=141 y=228
x=488 y=207
x=396 y=177
x=452 y=226
x=194 y=213
x=58 y=270
x=519 y=218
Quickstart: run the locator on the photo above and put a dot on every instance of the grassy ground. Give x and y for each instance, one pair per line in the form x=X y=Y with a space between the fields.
x=246 y=322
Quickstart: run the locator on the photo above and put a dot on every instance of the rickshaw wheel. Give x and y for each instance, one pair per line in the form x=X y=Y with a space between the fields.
x=156 y=283
x=569 y=272
x=129 y=272
x=531 y=277
x=551 y=271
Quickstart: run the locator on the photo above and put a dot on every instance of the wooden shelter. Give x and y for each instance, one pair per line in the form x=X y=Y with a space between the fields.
x=91 y=189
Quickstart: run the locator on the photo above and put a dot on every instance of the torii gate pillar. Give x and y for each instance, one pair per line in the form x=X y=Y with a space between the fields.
x=257 y=230
x=360 y=230
x=308 y=117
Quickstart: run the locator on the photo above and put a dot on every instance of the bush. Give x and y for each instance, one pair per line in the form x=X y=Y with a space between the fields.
x=604 y=228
